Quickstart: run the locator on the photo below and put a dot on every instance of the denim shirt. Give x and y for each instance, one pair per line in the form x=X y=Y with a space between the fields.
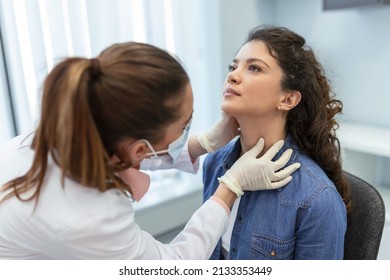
x=306 y=219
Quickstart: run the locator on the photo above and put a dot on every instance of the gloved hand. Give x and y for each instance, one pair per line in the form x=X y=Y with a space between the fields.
x=249 y=173
x=224 y=130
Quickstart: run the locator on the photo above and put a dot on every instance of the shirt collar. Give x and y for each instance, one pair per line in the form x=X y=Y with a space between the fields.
x=233 y=153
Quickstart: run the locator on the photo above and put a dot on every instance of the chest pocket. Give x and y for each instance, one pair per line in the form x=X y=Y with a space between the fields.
x=271 y=248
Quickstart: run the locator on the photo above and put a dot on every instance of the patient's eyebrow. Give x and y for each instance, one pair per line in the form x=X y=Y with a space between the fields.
x=251 y=60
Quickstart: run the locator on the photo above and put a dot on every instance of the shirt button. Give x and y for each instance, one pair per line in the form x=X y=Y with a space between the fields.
x=273 y=253
x=234 y=250
x=240 y=218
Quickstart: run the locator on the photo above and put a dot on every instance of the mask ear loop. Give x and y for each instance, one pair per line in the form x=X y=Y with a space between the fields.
x=153 y=153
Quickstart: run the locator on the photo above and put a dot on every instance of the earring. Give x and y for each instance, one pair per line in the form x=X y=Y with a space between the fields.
x=278 y=107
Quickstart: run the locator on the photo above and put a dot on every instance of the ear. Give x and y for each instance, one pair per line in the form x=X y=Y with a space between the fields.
x=138 y=150
x=130 y=151
x=289 y=100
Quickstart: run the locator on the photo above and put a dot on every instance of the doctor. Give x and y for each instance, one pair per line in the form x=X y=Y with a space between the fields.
x=65 y=188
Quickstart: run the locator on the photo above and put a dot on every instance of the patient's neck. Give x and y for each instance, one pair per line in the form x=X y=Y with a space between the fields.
x=252 y=130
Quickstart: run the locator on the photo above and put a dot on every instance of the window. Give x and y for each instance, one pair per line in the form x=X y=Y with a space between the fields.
x=39 y=33
x=6 y=114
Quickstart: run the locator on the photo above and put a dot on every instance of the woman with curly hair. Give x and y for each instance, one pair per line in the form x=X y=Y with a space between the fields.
x=276 y=89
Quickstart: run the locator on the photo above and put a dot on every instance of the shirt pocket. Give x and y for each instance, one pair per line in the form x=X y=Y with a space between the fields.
x=271 y=248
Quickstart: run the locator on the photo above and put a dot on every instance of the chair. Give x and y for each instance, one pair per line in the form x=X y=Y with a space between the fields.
x=365 y=222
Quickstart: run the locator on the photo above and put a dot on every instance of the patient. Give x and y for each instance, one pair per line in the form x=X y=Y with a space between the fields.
x=276 y=89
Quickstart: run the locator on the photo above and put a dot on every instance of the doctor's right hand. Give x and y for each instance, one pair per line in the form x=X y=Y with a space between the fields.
x=250 y=173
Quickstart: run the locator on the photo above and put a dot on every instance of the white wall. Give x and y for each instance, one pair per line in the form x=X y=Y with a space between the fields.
x=237 y=19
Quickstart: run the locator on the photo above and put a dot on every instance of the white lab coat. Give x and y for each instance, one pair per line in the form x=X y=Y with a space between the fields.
x=78 y=222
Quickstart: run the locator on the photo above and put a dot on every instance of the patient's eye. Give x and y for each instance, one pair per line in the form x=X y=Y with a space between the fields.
x=254 y=67
x=231 y=68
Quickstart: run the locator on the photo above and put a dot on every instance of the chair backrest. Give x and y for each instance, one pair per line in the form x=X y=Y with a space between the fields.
x=365 y=222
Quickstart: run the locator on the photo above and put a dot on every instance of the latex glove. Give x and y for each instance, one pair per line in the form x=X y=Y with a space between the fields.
x=249 y=173
x=224 y=130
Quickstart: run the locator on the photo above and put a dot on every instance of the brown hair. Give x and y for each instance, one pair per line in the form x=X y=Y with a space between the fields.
x=311 y=123
x=90 y=105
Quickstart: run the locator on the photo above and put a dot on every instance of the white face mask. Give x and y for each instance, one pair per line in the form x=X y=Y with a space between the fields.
x=174 y=149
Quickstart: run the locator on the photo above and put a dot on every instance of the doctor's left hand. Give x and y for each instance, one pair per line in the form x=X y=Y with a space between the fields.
x=224 y=130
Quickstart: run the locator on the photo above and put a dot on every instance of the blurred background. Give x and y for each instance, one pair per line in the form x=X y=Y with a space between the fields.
x=351 y=38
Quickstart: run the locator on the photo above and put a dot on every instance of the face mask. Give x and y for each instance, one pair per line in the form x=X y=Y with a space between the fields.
x=174 y=149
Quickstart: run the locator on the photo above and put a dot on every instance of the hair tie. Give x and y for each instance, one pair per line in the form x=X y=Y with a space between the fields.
x=95 y=68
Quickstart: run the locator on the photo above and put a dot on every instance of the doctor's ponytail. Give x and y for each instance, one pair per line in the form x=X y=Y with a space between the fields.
x=73 y=137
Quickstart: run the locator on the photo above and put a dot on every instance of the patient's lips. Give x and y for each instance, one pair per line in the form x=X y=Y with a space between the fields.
x=231 y=92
